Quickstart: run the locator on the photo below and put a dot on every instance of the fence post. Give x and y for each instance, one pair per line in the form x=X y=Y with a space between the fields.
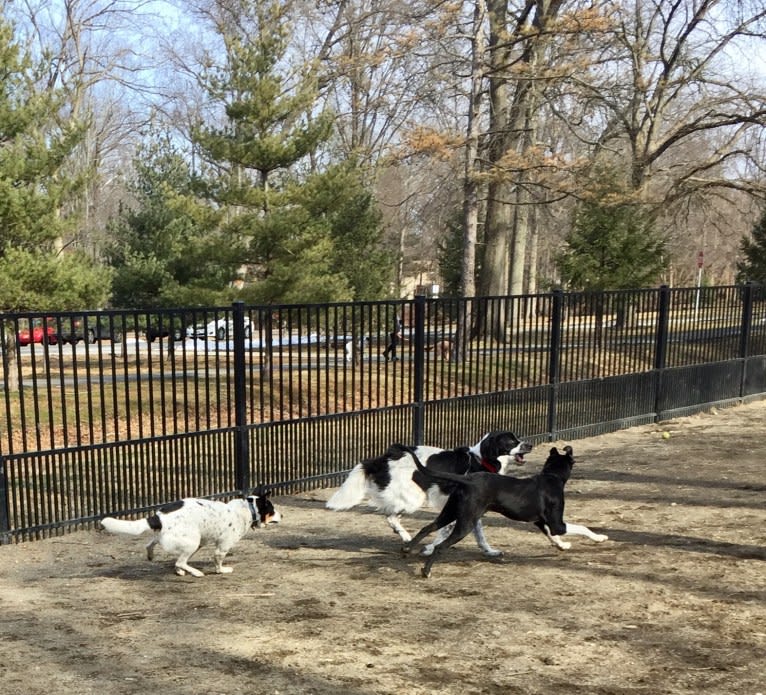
x=418 y=372
x=661 y=345
x=744 y=333
x=554 y=352
x=241 y=440
x=5 y=526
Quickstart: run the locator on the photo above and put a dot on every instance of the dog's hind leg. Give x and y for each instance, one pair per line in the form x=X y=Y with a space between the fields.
x=220 y=568
x=420 y=535
x=441 y=536
x=183 y=548
x=580 y=530
x=150 y=548
x=461 y=530
x=183 y=566
x=478 y=532
x=481 y=539
x=395 y=523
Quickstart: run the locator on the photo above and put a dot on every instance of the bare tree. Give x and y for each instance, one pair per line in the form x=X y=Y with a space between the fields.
x=674 y=100
x=86 y=49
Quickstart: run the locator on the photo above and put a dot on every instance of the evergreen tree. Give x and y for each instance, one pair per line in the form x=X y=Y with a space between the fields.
x=451 y=256
x=613 y=244
x=309 y=231
x=752 y=267
x=36 y=141
x=166 y=251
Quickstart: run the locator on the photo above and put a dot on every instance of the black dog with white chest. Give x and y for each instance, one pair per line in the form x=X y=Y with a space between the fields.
x=538 y=499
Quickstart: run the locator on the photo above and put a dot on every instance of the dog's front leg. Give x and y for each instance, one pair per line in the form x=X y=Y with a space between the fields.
x=394 y=523
x=580 y=530
x=481 y=539
x=556 y=540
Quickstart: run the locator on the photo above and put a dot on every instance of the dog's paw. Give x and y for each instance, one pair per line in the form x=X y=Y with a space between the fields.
x=181 y=571
x=425 y=573
x=225 y=570
x=563 y=545
x=406 y=548
x=600 y=537
x=427 y=550
x=492 y=553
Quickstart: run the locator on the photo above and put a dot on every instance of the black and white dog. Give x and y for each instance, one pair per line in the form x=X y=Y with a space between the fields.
x=392 y=484
x=182 y=527
x=538 y=499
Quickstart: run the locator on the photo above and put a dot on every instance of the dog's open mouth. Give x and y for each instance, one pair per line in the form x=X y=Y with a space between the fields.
x=519 y=459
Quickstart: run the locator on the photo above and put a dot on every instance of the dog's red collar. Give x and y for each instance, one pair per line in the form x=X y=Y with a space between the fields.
x=488 y=466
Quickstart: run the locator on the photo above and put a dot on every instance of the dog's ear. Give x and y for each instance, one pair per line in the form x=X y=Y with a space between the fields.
x=261 y=491
x=554 y=451
x=569 y=450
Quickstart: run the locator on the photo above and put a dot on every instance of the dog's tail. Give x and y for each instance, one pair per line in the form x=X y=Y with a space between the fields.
x=352 y=492
x=126 y=527
x=442 y=475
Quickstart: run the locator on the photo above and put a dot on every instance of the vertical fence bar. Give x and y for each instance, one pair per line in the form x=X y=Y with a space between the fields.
x=744 y=333
x=419 y=349
x=5 y=526
x=553 y=361
x=661 y=345
x=241 y=441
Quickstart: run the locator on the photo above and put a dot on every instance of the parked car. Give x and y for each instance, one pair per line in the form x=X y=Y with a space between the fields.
x=38 y=331
x=89 y=327
x=219 y=329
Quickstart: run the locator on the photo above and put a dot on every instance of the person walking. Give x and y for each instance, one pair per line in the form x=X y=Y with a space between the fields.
x=394 y=338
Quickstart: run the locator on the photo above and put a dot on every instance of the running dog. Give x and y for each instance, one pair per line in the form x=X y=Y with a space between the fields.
x=442 y=349
x=538 y=499
x=182 y=527
x=392 y=484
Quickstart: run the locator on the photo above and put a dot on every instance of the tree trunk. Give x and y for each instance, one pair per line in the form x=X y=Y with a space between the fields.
x=471 y=184
x=513 y=123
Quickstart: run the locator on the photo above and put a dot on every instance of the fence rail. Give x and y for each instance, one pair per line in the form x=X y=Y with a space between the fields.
x=118 y=411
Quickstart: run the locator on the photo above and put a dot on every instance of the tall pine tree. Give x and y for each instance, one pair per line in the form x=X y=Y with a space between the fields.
x=309 y=230
x=613 y=244
x=166 y=250
x=36 y=141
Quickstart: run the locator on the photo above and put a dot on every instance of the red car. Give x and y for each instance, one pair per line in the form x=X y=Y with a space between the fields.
x=39 y=332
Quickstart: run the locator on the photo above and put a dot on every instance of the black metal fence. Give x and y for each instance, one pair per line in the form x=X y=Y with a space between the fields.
x=119 y=411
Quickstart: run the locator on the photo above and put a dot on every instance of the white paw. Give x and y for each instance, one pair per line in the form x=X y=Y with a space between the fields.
x=564 y=545
x=491 y=552
x=180 y=572
x=225 y=570
x=406 y=537
x=600 y=537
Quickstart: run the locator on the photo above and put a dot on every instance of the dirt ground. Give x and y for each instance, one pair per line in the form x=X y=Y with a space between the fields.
x=674 y=602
